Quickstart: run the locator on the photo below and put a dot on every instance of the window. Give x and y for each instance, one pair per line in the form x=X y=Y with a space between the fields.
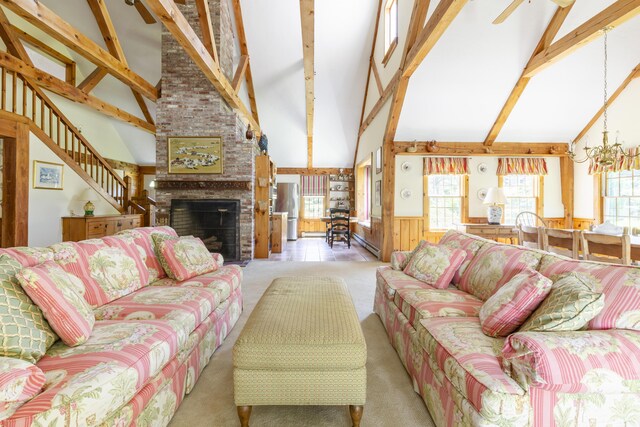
x=521 y=194
x=445 y=194
x=363 y=188
x=313 y=206
x=622 y=198
x=390 y=28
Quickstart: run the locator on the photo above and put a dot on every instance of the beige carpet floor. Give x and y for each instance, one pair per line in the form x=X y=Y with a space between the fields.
x=391 y=400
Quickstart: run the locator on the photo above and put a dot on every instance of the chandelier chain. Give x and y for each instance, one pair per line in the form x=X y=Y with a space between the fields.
x=606 y=98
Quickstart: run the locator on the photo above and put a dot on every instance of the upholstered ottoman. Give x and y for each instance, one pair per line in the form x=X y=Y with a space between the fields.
x=302 y=345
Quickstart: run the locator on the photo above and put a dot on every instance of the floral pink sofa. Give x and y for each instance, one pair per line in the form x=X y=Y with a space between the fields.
x=147 y=348
x=581 y=378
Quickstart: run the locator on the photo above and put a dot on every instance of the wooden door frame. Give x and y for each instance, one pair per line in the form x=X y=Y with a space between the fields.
x=15 y=184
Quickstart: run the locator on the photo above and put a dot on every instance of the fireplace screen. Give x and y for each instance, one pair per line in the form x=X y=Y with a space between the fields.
x=216 y=222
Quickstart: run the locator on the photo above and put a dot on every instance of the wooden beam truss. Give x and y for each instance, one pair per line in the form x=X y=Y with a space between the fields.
x=307 y=21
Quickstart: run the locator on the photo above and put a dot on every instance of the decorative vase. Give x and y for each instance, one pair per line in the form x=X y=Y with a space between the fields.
x=89 y=208
x=494 y=214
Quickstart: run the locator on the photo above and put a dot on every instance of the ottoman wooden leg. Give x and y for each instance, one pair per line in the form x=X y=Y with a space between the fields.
x=244 y=412
x=356 y=414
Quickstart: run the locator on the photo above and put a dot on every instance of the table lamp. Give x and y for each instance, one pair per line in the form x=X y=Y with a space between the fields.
x=494 y=200
x=90 y=196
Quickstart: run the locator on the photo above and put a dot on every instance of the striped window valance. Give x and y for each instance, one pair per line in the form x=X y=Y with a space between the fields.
x=521 y=166
x=623 y=164
x=313 y=185
x=446 y=166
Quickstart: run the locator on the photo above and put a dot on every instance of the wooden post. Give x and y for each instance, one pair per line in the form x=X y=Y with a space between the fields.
x=126 y=195
x=15 y=188
x=566 y=180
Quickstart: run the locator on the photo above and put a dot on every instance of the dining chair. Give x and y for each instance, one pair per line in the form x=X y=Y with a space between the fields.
x=529 y=236
x=340 y=226
x=561 y=242
x=606 y=247
x=530 y=219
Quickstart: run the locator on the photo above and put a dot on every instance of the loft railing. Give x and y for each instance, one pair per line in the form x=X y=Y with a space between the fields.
x=19 y=97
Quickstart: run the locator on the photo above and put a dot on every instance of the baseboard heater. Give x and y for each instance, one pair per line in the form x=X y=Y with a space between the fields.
x=358 y=238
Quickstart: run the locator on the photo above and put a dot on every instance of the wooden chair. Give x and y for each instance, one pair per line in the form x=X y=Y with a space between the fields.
x=530 y=219
x=561 y=242
x=606 y=247
x=340 y=226
x=529 y=236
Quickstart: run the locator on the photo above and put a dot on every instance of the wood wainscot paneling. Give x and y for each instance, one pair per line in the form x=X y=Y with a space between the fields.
x=372 y=235
x=555 y=222
x=306 y=225
x=583 y=223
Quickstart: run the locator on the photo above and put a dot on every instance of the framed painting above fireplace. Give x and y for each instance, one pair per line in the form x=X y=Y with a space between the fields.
x=195 y=154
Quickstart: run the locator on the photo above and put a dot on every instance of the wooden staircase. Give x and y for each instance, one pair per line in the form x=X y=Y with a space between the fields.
x=49 y=124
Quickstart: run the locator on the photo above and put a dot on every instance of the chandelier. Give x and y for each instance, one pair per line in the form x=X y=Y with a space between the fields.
x=605 y=155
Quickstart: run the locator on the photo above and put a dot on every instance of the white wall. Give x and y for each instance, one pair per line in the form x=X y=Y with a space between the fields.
x=623 y=117
x=47 y=207
x=413 y=181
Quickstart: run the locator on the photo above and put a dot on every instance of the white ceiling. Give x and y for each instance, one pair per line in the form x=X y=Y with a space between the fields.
x=459 y=89
x=455 y=95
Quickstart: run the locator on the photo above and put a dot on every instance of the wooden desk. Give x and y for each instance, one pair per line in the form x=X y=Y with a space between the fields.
x=489 y=231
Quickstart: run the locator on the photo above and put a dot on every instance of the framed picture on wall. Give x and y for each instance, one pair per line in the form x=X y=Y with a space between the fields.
x=378 y=194
x=379 y=160
x=195 y=154
x=48 y=176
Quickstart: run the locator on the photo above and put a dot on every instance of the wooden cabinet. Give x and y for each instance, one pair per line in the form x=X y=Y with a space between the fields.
x=278 y=231
x=489 y=231
x=76 y=228
x=264 y=186
x=341 y=191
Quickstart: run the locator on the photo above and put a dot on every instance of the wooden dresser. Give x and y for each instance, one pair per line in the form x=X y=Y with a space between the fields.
x=76 y=228
x=490 y=231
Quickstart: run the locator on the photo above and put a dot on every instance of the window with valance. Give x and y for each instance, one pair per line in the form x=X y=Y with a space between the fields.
x=520 y=178
x=445 y=190
x=313 y=190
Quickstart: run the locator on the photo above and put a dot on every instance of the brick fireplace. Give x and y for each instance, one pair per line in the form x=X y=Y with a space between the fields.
x=191 y=106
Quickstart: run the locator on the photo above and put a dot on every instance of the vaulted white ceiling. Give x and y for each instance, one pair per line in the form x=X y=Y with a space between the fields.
x=455 y=95
x=461 y=86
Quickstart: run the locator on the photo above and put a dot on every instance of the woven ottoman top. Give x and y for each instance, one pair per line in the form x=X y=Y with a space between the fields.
x=302 y=323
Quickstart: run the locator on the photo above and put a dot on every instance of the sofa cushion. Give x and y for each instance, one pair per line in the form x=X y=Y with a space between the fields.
x=184 y=257
x=142 y=238
x=469 y=243
x=575 y=362
x=224 y=281
x=571 y=304
x=28 y=257
x=418 y=304
x=24 y=332
x=89 y=382
x=433 y=264
x=184 y=308
x=620 y=285
x=399 y=259
x=20 y=381
x=393 y=280
x=495 y=265
x=109 y=268
x=59 y=296
x=513 y=303
x=470 y=362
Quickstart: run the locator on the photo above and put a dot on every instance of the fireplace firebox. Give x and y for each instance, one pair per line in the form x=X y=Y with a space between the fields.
x=215 y=221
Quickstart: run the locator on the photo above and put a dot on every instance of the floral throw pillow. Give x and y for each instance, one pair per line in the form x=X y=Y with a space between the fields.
x=184 y=257
x=59 y=295
x=434 y=265
x=20 y=382
x=513 y=303
x=570 y=306
x=24 y=332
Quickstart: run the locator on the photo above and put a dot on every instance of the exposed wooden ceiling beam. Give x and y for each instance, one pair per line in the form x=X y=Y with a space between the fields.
x=521 y=149
x=307 y=20
x=206 y=27
x=314 y=171
x=437 y=24
x=376 y=75
x=64 y=89
x=614 y=15
x=634 y=74
x=545 y=41
x=179 y=27
x=108 y=31
x=92 y=80
x=44 y=47
x=244 y=50
x=238 y=77
x=34 y=12
x=388 y=91
x=366 y=85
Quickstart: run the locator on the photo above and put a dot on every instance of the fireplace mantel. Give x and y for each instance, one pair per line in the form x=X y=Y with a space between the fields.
x=202 y=185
